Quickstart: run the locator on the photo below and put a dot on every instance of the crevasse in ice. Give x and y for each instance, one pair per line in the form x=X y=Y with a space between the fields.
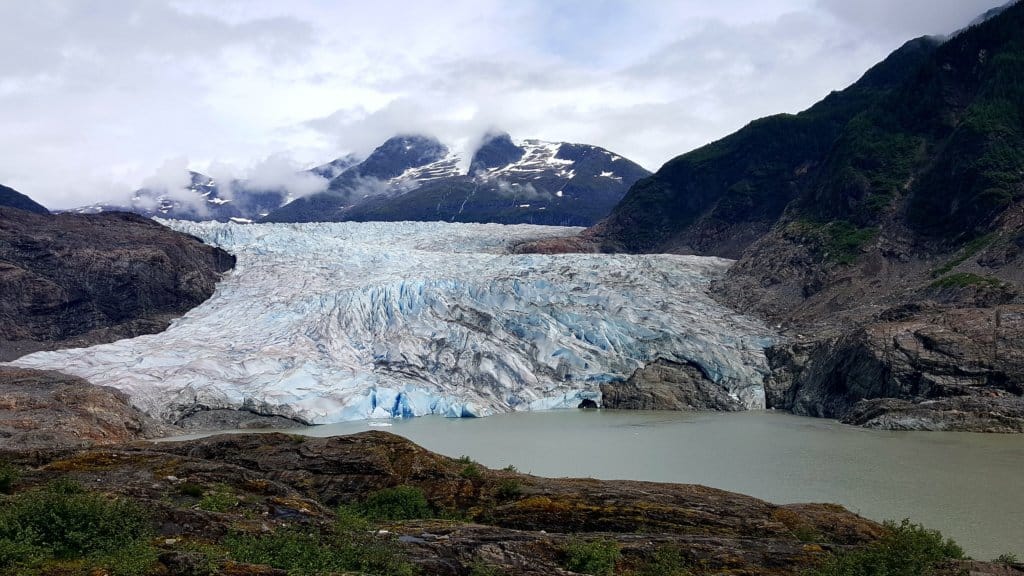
x=328 y=322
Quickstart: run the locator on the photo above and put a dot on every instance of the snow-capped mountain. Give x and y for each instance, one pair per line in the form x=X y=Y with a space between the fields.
x=203 y=199
x=416 y=177
x=326 y=322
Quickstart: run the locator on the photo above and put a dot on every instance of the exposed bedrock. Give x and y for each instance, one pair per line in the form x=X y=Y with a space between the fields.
x=668 y=385
x=75 y=280
x=41 y=409
x=960 y=369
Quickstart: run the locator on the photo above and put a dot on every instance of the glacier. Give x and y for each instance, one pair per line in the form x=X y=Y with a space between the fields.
x=327 y=322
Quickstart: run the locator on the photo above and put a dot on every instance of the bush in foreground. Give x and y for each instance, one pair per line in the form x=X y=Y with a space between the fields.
x=906 y=550
x=64 y=522
x=597 y=557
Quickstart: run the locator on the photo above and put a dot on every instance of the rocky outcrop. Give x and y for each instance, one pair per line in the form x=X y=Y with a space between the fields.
x=1000 y=414
x=516 y=523
x=221 y=419
x=948 y=369
x=47 y=410
x=74 y=280
x=667 y=385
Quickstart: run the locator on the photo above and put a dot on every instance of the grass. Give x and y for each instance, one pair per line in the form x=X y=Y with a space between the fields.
x=221 y=499
x=840 y=241
x=906 y=550
x=350 y=546
x=969 y=250
x=597 y=557
x=965 y=280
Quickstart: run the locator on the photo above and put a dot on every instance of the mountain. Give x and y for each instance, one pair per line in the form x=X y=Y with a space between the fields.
x=11 y=198
x=204 y=199
x=882 y=229
x=74 y=280
x=719 y=198
x=413 y=177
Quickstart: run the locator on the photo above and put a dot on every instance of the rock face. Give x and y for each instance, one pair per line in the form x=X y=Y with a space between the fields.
x=71 y=280
x=667 y=385
x=514 y=522
x=49 y=410
x=959 y=369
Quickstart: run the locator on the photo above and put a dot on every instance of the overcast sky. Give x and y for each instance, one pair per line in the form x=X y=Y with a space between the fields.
x=99 y=96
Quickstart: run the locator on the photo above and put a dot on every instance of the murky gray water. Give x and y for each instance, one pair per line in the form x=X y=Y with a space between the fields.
x=970 y=486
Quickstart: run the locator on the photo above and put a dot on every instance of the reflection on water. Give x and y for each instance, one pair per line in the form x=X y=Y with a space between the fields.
x=970 y=486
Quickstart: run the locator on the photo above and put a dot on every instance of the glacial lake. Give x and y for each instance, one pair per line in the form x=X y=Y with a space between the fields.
x=969 y=486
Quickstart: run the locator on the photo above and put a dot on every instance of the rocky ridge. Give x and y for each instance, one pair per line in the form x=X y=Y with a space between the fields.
x=415 y=177
x=75 y=280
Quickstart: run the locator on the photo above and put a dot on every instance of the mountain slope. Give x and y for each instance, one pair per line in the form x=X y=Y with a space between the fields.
x=72 y=280
x=719 y=198
x=11 y=198
x=921 y=195
x=882 y=230
x=418 y=178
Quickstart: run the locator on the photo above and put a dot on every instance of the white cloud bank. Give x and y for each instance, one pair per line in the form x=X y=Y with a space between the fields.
x=97 y=96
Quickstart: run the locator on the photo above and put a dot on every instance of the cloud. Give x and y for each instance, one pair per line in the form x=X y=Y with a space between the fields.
x=519 y=191
x=281 y=172
x=173 y=181
x=94 y=96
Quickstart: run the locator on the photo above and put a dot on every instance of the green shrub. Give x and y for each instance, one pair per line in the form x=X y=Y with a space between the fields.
x=509 y=489
x=1008 y=559
x=906 y=550
x=667 y=561
x=597 y=558
x=220 y=499
x=191 y=489
x=398 y=503
x=510 y=468
x=9 y=475
x=471 y=472
x=63 y=522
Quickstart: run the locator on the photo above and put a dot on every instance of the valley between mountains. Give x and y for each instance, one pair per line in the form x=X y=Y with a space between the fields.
x=860 y=262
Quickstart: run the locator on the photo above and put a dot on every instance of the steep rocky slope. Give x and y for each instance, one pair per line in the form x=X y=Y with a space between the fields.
x=875 y=218
x=912 y=230
x=49 y=410
x=11 y=198
x=72 y=280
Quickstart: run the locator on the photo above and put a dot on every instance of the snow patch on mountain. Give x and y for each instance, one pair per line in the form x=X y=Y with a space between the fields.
x=327 y=322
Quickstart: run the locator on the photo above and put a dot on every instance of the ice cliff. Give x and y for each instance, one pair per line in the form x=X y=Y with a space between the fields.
x=327 y=322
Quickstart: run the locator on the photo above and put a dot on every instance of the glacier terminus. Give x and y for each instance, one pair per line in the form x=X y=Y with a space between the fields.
x=327 y=322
